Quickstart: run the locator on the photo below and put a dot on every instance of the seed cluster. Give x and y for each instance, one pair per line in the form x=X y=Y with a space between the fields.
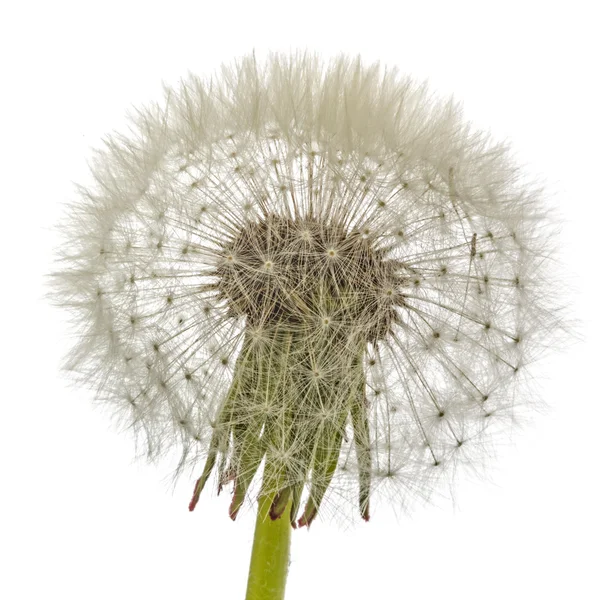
x=322 y=272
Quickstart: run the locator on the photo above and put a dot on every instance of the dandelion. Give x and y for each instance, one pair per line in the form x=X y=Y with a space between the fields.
x=316 y=277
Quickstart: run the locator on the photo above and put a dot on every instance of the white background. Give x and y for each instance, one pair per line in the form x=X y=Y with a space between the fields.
x=78 y=518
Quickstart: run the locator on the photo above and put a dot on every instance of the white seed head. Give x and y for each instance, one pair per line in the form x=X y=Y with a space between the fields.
x=318 y=266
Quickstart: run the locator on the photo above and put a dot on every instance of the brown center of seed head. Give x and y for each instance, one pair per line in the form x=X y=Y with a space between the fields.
x=300 y=272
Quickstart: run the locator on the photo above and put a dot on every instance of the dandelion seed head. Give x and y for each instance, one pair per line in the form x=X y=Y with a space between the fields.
x=321 y=268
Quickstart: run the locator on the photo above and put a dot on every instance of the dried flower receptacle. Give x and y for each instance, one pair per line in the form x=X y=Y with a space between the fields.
x=313 y=297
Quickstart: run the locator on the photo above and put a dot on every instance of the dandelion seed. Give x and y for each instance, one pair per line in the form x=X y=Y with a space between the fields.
x=360 y=274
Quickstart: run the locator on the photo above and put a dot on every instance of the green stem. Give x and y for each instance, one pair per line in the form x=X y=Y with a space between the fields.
x=270 y=552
